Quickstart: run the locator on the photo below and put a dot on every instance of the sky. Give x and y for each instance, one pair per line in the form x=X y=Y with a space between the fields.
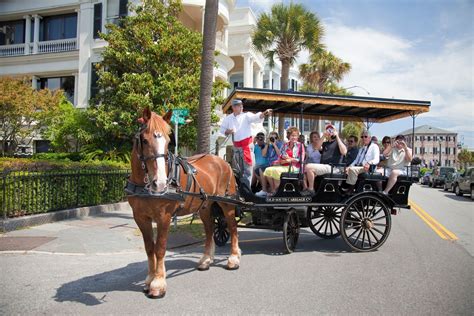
x=416 y=50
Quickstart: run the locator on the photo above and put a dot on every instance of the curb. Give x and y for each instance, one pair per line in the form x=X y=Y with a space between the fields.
x=12 y=224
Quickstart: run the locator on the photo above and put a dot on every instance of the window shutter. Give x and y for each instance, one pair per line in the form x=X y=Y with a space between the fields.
x=97 y=19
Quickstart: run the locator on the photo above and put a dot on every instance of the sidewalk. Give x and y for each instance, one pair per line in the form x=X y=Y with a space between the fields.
x=113 y=232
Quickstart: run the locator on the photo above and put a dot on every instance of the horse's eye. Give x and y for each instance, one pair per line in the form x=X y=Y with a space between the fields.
x=145 y=142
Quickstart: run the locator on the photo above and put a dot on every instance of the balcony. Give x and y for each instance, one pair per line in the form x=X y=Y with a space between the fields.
x=56 y=46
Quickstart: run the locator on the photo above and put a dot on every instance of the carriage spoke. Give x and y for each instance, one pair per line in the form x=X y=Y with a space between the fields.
x=373 y=235
x=378 y=218
x=378 y=231
x=355 y=231
x=363 y=238
x=380 y=224
x=368 y=238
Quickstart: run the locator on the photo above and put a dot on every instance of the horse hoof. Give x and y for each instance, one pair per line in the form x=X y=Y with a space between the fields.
x=236 y=267
x=203 y=268
x=152 y=296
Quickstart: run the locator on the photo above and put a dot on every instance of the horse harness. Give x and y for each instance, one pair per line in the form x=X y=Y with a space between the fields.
x=173 y=189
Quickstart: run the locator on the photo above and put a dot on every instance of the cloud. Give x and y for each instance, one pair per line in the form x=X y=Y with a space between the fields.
x=260 y=6
x=389 y=66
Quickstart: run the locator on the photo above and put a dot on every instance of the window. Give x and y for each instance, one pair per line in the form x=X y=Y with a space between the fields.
x=97 y=19
x=94 y=78
x=265 y=84
x=454 y=151
x=58 y=27
x=12 y=32
x=416 y=150
x=306 y=127
x=115 y=10
x=64 y=83
x=429 y=138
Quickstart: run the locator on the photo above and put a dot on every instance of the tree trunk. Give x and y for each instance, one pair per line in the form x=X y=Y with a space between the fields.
x=207 y=73
x=285 y=75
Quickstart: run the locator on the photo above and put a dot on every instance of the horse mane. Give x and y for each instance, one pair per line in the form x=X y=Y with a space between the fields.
x=157 y=124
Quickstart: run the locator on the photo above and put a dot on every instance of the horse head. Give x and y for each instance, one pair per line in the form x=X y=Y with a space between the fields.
x=151 y=145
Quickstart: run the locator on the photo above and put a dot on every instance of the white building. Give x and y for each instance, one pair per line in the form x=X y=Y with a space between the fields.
x=56 y=43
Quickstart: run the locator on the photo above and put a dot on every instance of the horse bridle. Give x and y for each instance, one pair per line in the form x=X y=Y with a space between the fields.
x=141 y=156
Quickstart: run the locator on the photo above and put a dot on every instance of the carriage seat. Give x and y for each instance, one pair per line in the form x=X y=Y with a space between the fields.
x=372 y=176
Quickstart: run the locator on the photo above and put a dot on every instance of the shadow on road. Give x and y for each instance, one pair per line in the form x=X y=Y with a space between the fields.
x=452 y=196
x=92 y=290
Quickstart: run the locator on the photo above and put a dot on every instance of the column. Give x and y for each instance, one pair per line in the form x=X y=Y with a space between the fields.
x=226 y=36
x=34 y=84
x=76 y=87
x=36 y=33
x=259 y=82
x=27 y=33
x=248 y=71
x=270 y=79
x=78 y=27
x=84 y=65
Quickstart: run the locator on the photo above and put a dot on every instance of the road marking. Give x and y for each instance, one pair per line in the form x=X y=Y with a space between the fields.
x=439 y=229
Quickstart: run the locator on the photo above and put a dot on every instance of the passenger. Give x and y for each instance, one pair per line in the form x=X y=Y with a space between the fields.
x=399 y=157
x=261 y=161
x=292 y=153
x=272 y=152
x=367 y=158
x=352 y=150
x=332 y=151
x=313 y=151
x=375 y=140
x=386 y=142
x=238 y=124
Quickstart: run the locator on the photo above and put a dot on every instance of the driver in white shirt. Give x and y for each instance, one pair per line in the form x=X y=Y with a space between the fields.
x=238 y=124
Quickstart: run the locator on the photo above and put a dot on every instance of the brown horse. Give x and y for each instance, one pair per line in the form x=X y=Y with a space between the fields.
x=214 y=176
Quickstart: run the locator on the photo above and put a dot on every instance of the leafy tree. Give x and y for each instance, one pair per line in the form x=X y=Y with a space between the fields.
x=465 y=157
x=69 y=129
x=151 y=60
x=323 y=70
x=352 y=128
x=207 y=73
x=24 y=111
x=284 y=32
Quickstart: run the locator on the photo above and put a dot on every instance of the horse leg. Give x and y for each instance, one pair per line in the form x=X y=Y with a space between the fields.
x=158 y=283
x=209 y=248
x=235 y=253
x=145 y=225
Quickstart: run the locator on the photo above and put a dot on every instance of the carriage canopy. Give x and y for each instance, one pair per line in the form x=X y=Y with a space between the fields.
x=329 y=106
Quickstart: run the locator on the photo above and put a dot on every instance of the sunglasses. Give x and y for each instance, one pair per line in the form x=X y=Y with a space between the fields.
x=351 y=141
x=365 y=136
x=386 y=142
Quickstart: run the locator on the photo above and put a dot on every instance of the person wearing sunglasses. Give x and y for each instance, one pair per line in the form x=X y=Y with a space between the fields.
x=366 y=160
x=352 y=150
x=399 y=157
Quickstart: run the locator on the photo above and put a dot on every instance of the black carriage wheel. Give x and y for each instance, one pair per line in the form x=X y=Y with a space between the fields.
x=365 y=223
x=325 y=221
x=221 y=234
x=291 y=231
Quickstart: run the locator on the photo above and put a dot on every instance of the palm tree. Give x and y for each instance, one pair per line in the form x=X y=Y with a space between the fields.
x=323 y=69
x=207 y=73
x=284 y=32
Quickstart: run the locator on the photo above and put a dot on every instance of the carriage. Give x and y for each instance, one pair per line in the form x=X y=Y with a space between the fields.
x=162 y=184
x=362 y=219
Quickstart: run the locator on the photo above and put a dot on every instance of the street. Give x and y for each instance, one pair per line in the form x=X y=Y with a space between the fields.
x=415 y=272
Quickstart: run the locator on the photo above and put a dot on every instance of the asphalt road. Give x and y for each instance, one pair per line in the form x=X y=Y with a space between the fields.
x=415 y=272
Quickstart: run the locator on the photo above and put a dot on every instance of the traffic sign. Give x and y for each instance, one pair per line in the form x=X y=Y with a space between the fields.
x=179 y=116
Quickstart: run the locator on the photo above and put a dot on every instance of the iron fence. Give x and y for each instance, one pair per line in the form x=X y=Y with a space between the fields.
x=32 y=192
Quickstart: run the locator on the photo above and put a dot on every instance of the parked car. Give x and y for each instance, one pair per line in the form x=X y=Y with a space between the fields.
x=438 y=176
x=426 y=178
x=465 y=183
x=451 y=178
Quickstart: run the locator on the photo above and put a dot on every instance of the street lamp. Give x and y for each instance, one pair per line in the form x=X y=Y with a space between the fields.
x=351 y=87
